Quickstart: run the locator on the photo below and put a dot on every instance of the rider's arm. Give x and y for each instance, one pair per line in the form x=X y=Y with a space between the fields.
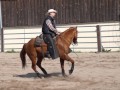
x=49 y=24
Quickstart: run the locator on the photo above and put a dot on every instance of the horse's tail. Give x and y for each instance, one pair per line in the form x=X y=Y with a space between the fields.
x=22 y=56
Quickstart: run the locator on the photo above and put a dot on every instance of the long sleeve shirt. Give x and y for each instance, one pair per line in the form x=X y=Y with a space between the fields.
x=49 y=24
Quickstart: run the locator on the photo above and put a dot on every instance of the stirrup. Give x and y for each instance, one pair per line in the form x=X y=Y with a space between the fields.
x=48 y=56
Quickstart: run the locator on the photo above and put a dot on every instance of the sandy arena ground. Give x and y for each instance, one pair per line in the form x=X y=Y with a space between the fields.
x=93 y=71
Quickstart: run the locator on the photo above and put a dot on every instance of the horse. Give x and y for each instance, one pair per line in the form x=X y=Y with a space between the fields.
x=62 y=42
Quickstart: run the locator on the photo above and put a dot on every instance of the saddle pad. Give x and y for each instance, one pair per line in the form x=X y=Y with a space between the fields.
x=38 y=41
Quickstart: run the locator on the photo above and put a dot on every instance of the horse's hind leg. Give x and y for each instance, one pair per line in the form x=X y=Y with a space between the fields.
x=33 y=59
x=39 y=65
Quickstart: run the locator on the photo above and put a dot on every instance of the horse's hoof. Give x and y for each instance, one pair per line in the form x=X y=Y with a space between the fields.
x=70 y=72
x=38 y=75
x=47 y=75
x=64 y=75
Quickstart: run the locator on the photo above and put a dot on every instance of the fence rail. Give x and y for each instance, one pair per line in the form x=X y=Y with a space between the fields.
x=91 y=38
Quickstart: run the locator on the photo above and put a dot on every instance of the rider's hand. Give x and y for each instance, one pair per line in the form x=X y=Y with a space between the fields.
x=58 y=33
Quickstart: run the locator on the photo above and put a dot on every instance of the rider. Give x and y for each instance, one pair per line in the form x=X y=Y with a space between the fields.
x=49 y=32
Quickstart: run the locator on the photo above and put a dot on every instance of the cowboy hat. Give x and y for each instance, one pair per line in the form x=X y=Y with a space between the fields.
x=51 y=11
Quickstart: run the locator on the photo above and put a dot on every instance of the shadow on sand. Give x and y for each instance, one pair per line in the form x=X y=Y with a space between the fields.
x=31 y=75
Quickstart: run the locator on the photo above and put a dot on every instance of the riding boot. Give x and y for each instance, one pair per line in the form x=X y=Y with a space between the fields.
x=48 y=55
x=53 y=52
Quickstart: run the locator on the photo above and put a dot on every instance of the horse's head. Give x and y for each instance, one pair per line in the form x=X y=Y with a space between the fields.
x=70 y=35
x=75 y=33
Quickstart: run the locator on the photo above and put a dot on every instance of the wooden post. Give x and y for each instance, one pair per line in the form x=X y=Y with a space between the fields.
x=1 y=30
x=2 y=40
x=99 y=38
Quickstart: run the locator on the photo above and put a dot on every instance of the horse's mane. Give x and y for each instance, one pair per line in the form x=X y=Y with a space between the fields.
x=71 y=28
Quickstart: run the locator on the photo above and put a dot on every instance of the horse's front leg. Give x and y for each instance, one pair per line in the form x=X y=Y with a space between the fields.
x=72 y=68
x=72 y=62
x=62 y=67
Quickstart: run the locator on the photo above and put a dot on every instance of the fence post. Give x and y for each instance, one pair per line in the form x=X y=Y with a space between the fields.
x=2 y=40
x=1 y=30
x=99 y=38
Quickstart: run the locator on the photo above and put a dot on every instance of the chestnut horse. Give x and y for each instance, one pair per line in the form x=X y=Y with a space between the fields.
x=63 y=42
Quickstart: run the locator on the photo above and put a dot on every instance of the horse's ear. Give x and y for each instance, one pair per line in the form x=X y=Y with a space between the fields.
x=76 y=27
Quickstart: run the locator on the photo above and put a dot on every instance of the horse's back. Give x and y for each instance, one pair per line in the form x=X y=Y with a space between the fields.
x=30 y=46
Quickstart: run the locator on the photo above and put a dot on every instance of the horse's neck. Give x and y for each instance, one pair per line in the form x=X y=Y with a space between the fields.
x=66 y=37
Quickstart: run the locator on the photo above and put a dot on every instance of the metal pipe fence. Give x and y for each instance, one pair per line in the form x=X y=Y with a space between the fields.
x=90 y=38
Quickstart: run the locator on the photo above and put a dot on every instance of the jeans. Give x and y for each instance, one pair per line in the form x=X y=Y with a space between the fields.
x=51 y=47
